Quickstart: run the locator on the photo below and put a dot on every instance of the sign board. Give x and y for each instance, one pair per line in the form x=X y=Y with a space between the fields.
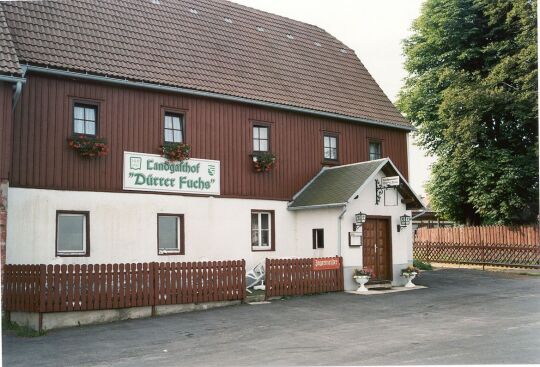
x=390 y=181
x=325 y=263
x=151 y=172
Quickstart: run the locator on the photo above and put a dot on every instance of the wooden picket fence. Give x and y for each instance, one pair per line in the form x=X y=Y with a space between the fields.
x=494 y=235
x=59 y=288
x=295 y=277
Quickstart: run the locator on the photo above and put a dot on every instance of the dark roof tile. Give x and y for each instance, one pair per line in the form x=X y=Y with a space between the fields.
x=166 y=43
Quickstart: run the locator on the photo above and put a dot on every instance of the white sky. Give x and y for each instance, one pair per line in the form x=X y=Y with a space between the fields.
x=374 y=29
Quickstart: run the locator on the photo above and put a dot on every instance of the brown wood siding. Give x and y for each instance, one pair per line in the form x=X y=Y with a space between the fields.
x=6 y=124
x=130 y=120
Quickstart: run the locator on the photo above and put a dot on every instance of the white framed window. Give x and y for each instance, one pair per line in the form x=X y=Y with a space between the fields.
x=330 y=147
x=262 y=230
x=170 y=234
x=72 y=237
x=84 y=119
x=261 y=138
x=173 y=128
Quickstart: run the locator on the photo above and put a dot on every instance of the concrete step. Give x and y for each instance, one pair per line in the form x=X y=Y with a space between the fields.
x=379 y=284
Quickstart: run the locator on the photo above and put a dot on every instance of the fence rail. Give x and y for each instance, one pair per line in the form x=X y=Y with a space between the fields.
x=494 y=235
x=521 y=256
x=288 y=277
x=57 y=288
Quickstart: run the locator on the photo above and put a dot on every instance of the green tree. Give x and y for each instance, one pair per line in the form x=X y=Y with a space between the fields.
x=472 y=94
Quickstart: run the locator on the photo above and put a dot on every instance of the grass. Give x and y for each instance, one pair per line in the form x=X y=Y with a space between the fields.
x=21 y=330
x=422 y=265
x=530 y=274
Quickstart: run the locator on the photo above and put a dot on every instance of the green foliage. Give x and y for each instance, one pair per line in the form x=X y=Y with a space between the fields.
x=472 y=93
x=422 y=265
x=21 y=330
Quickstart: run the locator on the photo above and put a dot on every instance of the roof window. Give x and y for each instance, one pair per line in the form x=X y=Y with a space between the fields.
x=194 y=11
x=260 y=29
x=228 y=20
x=343 y=51
x=317 y=44
x=290 y=36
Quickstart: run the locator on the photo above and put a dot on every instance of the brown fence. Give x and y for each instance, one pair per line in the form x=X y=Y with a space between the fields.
x=481 y=254
x=40 y=288
x=495 y=235
x=288 y=277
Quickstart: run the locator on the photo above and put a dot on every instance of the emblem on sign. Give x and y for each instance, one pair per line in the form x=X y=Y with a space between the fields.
x=211 y=170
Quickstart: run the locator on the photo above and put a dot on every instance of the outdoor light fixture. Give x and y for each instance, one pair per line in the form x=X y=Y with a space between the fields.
x=404 y=221
x=360 y=218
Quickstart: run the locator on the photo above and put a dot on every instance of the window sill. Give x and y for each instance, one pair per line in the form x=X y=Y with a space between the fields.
x=170 y=252
x=330 y=162
x=264 y=249
x=72 y=254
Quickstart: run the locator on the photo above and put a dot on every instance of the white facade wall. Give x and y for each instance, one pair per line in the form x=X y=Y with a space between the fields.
x=123 y=228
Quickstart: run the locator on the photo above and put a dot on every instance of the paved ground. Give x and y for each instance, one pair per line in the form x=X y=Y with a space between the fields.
x=464 y=317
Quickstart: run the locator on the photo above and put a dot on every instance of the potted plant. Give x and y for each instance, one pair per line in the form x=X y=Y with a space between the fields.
x=88 y=146
x=175 y=151
x=362 y=276
x=264 y=162
x=409 y=273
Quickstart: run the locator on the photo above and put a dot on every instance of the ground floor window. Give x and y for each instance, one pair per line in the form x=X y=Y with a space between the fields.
x=171 y=234
x=262 y=230
x=72 y=233
x=318 y=238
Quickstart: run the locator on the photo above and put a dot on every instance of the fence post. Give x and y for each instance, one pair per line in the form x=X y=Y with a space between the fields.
x=153 y=290
x=41 y=295
x=267 y=277
x=243 y=280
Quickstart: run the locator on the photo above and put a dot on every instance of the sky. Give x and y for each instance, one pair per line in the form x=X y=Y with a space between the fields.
x=375 y=30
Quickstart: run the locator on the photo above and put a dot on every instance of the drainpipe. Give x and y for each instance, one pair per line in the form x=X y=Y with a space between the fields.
x=17 y=94
x=339 y=228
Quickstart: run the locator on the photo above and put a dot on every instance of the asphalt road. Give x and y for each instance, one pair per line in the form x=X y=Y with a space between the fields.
x=464 y=317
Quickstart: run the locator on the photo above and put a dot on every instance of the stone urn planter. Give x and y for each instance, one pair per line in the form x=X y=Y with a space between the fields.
x=362 y=280
x=409 y=276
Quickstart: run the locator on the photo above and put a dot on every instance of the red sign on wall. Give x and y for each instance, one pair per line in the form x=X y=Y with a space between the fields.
x=325 y=263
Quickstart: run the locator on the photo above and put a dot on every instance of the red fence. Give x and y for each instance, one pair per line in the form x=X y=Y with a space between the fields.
x=494 y=235
x=40 y=288
x=288 y=277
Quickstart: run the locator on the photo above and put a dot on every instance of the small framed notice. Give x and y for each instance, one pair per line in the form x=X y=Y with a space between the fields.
x=355 y=239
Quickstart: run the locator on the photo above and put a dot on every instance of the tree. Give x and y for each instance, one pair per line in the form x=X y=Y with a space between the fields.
x=472 y=94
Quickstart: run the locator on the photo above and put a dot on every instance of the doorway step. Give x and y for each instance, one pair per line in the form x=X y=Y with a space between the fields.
x=374 y=285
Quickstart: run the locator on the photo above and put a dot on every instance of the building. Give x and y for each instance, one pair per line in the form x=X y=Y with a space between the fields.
x=239 y=87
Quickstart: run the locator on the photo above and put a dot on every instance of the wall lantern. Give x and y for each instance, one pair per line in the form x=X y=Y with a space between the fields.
x=404 y=221
x=360 y=218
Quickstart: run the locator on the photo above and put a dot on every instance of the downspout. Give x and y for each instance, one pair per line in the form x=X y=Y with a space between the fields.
x=339 y=228
x=18 y=87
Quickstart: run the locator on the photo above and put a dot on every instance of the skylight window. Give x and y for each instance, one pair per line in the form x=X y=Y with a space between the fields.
x=260 y=29
x=343 y=51
x=317 y=44
x=194 y=11
x=290 y=36
x=228 y=20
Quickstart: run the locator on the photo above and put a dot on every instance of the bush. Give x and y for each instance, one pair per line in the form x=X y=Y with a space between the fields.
x=422 y=265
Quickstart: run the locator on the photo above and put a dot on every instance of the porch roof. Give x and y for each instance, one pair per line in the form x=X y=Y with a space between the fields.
x=334 y=187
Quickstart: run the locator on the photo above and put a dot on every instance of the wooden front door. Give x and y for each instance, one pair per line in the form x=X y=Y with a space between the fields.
x=377 y=247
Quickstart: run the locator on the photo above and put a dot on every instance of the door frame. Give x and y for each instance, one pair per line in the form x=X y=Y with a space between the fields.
x=390 y=263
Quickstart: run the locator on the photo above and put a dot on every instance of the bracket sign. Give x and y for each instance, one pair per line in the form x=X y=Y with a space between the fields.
x=379 y=190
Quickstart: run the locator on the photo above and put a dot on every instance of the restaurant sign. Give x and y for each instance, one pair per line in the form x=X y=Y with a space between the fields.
x=151 y=172
x=325 y=263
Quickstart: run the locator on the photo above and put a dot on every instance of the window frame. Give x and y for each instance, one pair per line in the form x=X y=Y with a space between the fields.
x=374 y=141
x=330 y=134
x=175 y=113
x=86 y=234
x=180 y=237
x=266 y=125
x=77 y=102
x=272 y=231
x=315 y=238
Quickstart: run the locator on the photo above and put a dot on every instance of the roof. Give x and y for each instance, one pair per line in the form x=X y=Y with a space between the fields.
x=9 y=63
x=207 y=45
x=336 y=185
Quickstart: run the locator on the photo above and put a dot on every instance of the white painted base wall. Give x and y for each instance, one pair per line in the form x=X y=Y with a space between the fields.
x=123 y=228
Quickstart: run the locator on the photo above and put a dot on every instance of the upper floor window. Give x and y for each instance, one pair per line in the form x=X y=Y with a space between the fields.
x=261 y=138
x=84 y=119
x=330 y=144
x=174 y=128
x=72 y=237
x=375 y=150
